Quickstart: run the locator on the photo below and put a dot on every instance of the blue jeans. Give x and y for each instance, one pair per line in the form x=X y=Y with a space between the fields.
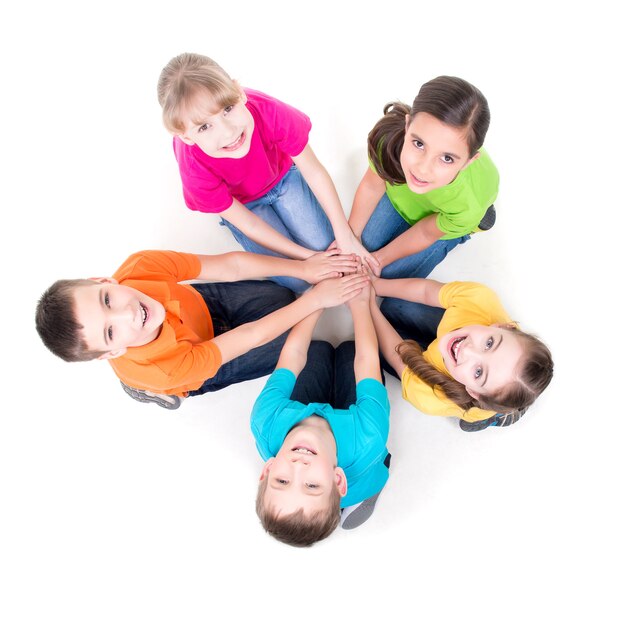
x=328 y=375
x=234 y=304
x=385 y=225
x=412 y=320
x=291 y=209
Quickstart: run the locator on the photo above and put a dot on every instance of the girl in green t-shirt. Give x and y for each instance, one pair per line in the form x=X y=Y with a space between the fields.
x=430 y=184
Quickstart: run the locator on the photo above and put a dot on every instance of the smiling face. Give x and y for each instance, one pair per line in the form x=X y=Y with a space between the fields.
x=304 y=472
x=221 y=133
x=433 y=153
x=483 y=358
x=115 y=317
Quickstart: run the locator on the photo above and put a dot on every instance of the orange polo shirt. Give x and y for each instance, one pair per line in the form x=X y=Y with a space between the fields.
x=183 y=356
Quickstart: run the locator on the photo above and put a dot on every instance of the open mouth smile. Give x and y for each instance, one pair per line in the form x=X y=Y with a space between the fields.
x=303 y=450
x=235 y=145
x=454 y=346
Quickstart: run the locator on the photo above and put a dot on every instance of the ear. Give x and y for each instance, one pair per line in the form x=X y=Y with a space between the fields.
x=104 y=280
x=113 y=354
x=470 y=161
x=341 y=481
x=474 y=395
x=186 y=140
x=266 y=469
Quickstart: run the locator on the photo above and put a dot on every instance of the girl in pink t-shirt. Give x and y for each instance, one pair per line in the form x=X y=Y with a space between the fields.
x=245 y=155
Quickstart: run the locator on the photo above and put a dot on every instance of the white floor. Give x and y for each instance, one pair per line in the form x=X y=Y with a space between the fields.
x=113 y=512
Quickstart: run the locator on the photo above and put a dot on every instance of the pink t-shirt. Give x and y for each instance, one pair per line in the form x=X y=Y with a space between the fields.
x=280 y=132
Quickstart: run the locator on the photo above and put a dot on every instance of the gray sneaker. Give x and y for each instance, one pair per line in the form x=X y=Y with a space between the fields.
x=499 y=419
x=357 y=514
x=165 y=401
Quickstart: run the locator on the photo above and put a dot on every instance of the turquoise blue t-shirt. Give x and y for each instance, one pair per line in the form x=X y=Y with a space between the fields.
x=360 y=431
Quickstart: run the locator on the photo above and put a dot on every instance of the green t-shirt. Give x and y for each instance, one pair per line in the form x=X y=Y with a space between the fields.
x=460 y=205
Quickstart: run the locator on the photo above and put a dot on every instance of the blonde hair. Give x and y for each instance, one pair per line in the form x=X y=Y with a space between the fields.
x=187 y=79
x=297 y=528
x=533 y=374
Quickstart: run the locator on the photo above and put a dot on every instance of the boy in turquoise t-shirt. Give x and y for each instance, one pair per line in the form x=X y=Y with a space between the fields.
x=322 y=432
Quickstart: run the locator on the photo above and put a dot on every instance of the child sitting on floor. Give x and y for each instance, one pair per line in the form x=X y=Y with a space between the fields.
x=166 y=340
x=321 y=425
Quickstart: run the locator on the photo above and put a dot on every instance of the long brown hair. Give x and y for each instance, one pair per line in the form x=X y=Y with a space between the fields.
x=534 y=374
x=451 y=100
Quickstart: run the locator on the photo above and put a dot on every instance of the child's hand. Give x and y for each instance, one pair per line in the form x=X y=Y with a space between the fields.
x=329 y=264
x=351 y=243
x=375 y=268
x=363 y=297
x=335 y=291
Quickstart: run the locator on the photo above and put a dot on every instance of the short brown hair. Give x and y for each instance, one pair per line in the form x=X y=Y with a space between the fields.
x=298 y=529
x=57 y=325
x=187 y=77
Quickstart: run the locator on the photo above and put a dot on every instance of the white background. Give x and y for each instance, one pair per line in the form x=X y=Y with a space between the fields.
x=113 y=512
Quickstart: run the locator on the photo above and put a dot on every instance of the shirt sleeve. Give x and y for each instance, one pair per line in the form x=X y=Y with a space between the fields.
x=183 y=369
x=203 y=190
x=373 y=405
x=159 y=265
x=284 y=125
x=272 y=400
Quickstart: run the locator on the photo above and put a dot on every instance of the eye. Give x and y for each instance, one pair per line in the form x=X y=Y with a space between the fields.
x=478 y=372
x=107 y=301
x=203 y=128
x=489 y=343
x=418 y=144
x=446 y=158
x=311 y=486
x=282 y=481
x=229 y=108
x=110 y=333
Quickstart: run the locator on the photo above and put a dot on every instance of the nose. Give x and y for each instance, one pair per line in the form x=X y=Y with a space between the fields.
x=300 y=459
x=122 y=314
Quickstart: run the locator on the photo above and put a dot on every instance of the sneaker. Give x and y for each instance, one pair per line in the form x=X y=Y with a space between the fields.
x=357 y=514
x=499 y=419
x=163 y=400
x=489 y=219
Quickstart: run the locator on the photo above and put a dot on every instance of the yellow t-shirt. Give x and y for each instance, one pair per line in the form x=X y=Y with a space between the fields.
x=466 y=304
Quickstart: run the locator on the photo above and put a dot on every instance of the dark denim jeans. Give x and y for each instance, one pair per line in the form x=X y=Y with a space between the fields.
x=328 y=375
x=411 y=320
x=234 y=304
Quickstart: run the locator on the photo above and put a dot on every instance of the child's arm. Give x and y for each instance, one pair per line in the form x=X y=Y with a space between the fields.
x=233 y=266
x=328 y=293
x=366 y=360
x=388 y=338
x=324 y=190
x=293 y=356
x=367 y=196
x=423 y=290
x=417 y=238
x=262 y=233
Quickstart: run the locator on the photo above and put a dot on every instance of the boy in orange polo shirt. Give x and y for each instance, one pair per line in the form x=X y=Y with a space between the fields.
x=166 y=340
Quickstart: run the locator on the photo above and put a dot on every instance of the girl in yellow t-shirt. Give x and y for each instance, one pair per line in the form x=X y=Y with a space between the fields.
x=477 y=365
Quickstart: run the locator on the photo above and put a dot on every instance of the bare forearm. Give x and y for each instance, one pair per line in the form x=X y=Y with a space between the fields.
x=293 y=356
x=388 y=339
x=366 y=361
x=233 y=266
x=423 y=290
x=368 y=194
